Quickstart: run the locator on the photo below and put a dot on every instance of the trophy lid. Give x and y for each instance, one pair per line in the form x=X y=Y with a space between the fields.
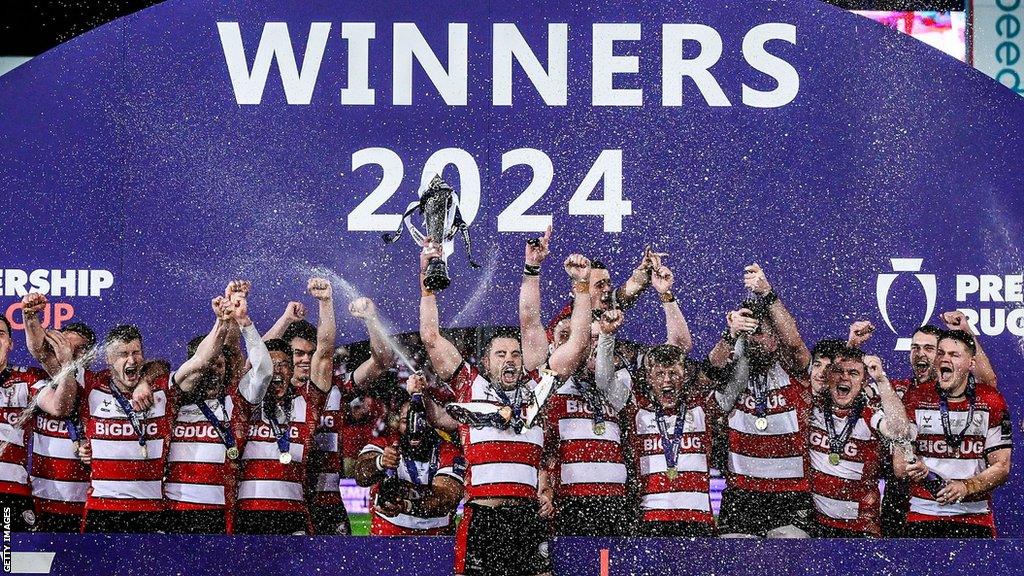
x=437 y=184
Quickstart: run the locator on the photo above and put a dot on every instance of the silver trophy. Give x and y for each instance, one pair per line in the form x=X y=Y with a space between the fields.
x=439 y=205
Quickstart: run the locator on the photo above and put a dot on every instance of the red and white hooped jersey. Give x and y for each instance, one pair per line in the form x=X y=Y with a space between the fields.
x=685 y=498
x=990 y=430
x=266 y=483
x=449 y=463
x=846 y=494
x=588 y=463
x=17 y=388
x=122 y=479
x=500 y=463
x=325 y=460
x=200 y=476
x=773 y=459
x=60 y=482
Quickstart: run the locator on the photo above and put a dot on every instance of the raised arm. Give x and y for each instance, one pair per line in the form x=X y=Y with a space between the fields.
x=60 y=400
x=254 y=383
x=895 y=424
x=676 y=329
x=629 y=293
x=796 y=356
x=534 y=338
x=983 y=371
x=187 y=375
x=617 y=390
x=738 y=380
x=436 y=414
x=322 y=364
x=860 y=333
x=738 y=323
x=444 y=356
x=293 y=312
x=35 y=335
x=567 y=358
x=381 y=354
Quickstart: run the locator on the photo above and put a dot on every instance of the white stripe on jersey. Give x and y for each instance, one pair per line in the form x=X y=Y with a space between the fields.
x=126 y=449
x=955 y=468
x=328 y=482
x=592 y=472
x=768 y=468
x=104 y=405
x=59 y=490
x=778 y=424
x=12 y=435
x=677 y=501
x=326 y=441
x=503 y=473
x=534 y=435
x=263 y=450
x=122 y=490
x=195 y=493
x=861 y=431
x=933 y=508
x=13 y=473
x=655 y=463
x=204 y=452
x=841 y=509
x=583 y=429
x=53 y=447
x=846 y=469
x=190 y=413
x=647 y=421
x=929 y=421
x=269 y=490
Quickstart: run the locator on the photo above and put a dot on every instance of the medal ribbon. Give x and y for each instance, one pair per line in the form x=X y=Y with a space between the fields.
x=225 y=433
x=760 y=383
x=414 y=476
x=954 y=440
x=133 y=416
x=73 y=432
x=281 y=433
x=670 y=444
x=594 y=399
x=836 y=442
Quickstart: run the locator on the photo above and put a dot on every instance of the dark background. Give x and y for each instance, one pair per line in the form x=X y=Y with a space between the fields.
x=29 y=28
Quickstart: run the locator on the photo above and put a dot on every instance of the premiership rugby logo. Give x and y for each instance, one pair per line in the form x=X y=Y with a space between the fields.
x=884 y=283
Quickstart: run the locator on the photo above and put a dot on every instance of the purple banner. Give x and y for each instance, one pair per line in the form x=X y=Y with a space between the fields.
x=149 y=161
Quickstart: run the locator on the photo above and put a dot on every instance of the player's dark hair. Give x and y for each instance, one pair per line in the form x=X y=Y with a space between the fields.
x=664 y=354
x=960 y=336
x=598 y=265
x=930 y=330
x=123 y=333
x=509 y=333
x=279 y=345
x=828 y=348
x=83 y=330
x=300 y=329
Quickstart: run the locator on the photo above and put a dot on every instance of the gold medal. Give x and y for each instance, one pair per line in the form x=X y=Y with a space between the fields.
x=672 y=473
x=761 y=423
x=833 y=459
x=232 y=453
x=599 y=428
x=285 y=457
x=505 y=412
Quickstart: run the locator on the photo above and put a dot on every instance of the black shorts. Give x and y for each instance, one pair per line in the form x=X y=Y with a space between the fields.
x=265 y=522
x=675 y=529
x=103 y=521
x=947 y=529
x=58 y=523
x=196 y=522
x=823 y=531
x=895 y=505
x=330 y=520
x=503 y=541
x=755 y=513
x=20 y=510
x=593 y=516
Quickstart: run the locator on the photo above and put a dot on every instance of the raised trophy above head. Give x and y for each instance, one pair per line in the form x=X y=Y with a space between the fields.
x=442 y=219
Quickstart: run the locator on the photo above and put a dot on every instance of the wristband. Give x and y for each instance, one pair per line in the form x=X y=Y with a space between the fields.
x=581 y=286
x=667 y=297
x=770 y=298
x=379 y=462
x=531 y=270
